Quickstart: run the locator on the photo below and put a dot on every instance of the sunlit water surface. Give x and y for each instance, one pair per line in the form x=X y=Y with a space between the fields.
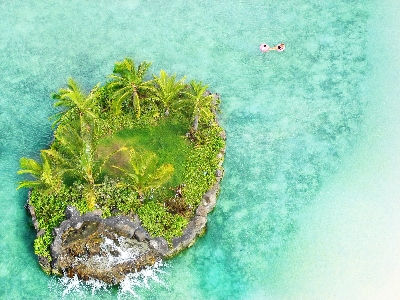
x=308 y=201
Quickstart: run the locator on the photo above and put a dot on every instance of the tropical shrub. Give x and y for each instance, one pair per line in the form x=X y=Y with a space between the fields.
x=159 y=222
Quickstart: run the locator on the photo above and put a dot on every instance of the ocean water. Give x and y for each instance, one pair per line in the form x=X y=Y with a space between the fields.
x=309 y=203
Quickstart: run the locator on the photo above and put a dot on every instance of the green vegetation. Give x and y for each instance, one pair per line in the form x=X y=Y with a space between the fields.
x=126 y=147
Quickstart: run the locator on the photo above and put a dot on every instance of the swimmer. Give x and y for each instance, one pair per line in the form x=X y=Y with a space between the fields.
x=264 y=48
x=279 y=47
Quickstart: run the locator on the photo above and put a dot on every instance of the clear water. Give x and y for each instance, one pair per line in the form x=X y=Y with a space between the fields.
x=308 y=204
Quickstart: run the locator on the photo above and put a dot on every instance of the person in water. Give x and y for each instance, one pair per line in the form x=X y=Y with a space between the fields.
x=280 y=47
x=264 y=48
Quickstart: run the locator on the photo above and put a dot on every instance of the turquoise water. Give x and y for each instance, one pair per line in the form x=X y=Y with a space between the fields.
x=303 y=139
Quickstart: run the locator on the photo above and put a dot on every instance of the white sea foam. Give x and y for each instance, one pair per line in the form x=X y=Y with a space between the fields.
x=112 y=254
x=141 y=279
x=70 y=288
x=66 y=287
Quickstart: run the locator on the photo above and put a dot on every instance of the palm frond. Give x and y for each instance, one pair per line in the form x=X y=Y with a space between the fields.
x=31 y=166
x=28 y=184
x=127 y=84
x=161 y=175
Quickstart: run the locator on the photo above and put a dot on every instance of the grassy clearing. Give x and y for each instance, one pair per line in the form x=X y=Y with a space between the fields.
x=167 y=141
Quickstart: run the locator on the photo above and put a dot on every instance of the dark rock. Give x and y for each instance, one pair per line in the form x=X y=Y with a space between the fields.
x=210 y=198
x=195 y=228
x=125 y=230
x=223 y=135
x=102 y=249
x=92 y=216
x=35 y=224
x=123 y=225
x=96 y=212
x=141 y=234
x=201 y=210
x=71 y=212
x=44 y=264
x=32 y=213
x=206 y=93
x=77 y=224
x=160 y=245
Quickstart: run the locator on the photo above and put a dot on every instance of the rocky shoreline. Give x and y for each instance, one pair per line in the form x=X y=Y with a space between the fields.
x=108 y=249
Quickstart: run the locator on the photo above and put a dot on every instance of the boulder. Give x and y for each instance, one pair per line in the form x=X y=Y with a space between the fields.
x=210 y=198
x=71 y=212
x=31 y=211
x=141 y=234
x=195 y=228
x=201 y=210
x=104 y=249
x=160 y=245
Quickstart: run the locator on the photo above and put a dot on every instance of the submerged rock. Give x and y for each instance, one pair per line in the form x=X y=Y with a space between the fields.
x=105 y=249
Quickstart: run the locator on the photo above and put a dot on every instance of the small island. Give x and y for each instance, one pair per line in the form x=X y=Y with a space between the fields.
x=130 y=176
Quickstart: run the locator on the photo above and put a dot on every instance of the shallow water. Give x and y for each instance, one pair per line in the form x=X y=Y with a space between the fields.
x=303 y=140
x=348 y=243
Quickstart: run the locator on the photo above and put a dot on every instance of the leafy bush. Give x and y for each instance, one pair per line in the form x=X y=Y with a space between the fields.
x=41 y=245
x=159 y=222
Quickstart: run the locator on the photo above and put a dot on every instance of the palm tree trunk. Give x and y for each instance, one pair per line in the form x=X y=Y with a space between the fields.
x=195 y=125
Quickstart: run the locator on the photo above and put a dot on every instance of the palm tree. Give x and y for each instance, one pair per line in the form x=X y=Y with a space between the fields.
x=74 y=100
x=45 y=174
x=74 y=148
x=143 y=176
x=167 y=90
x=76 y=153
x=201 y=102
x=128 y=85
